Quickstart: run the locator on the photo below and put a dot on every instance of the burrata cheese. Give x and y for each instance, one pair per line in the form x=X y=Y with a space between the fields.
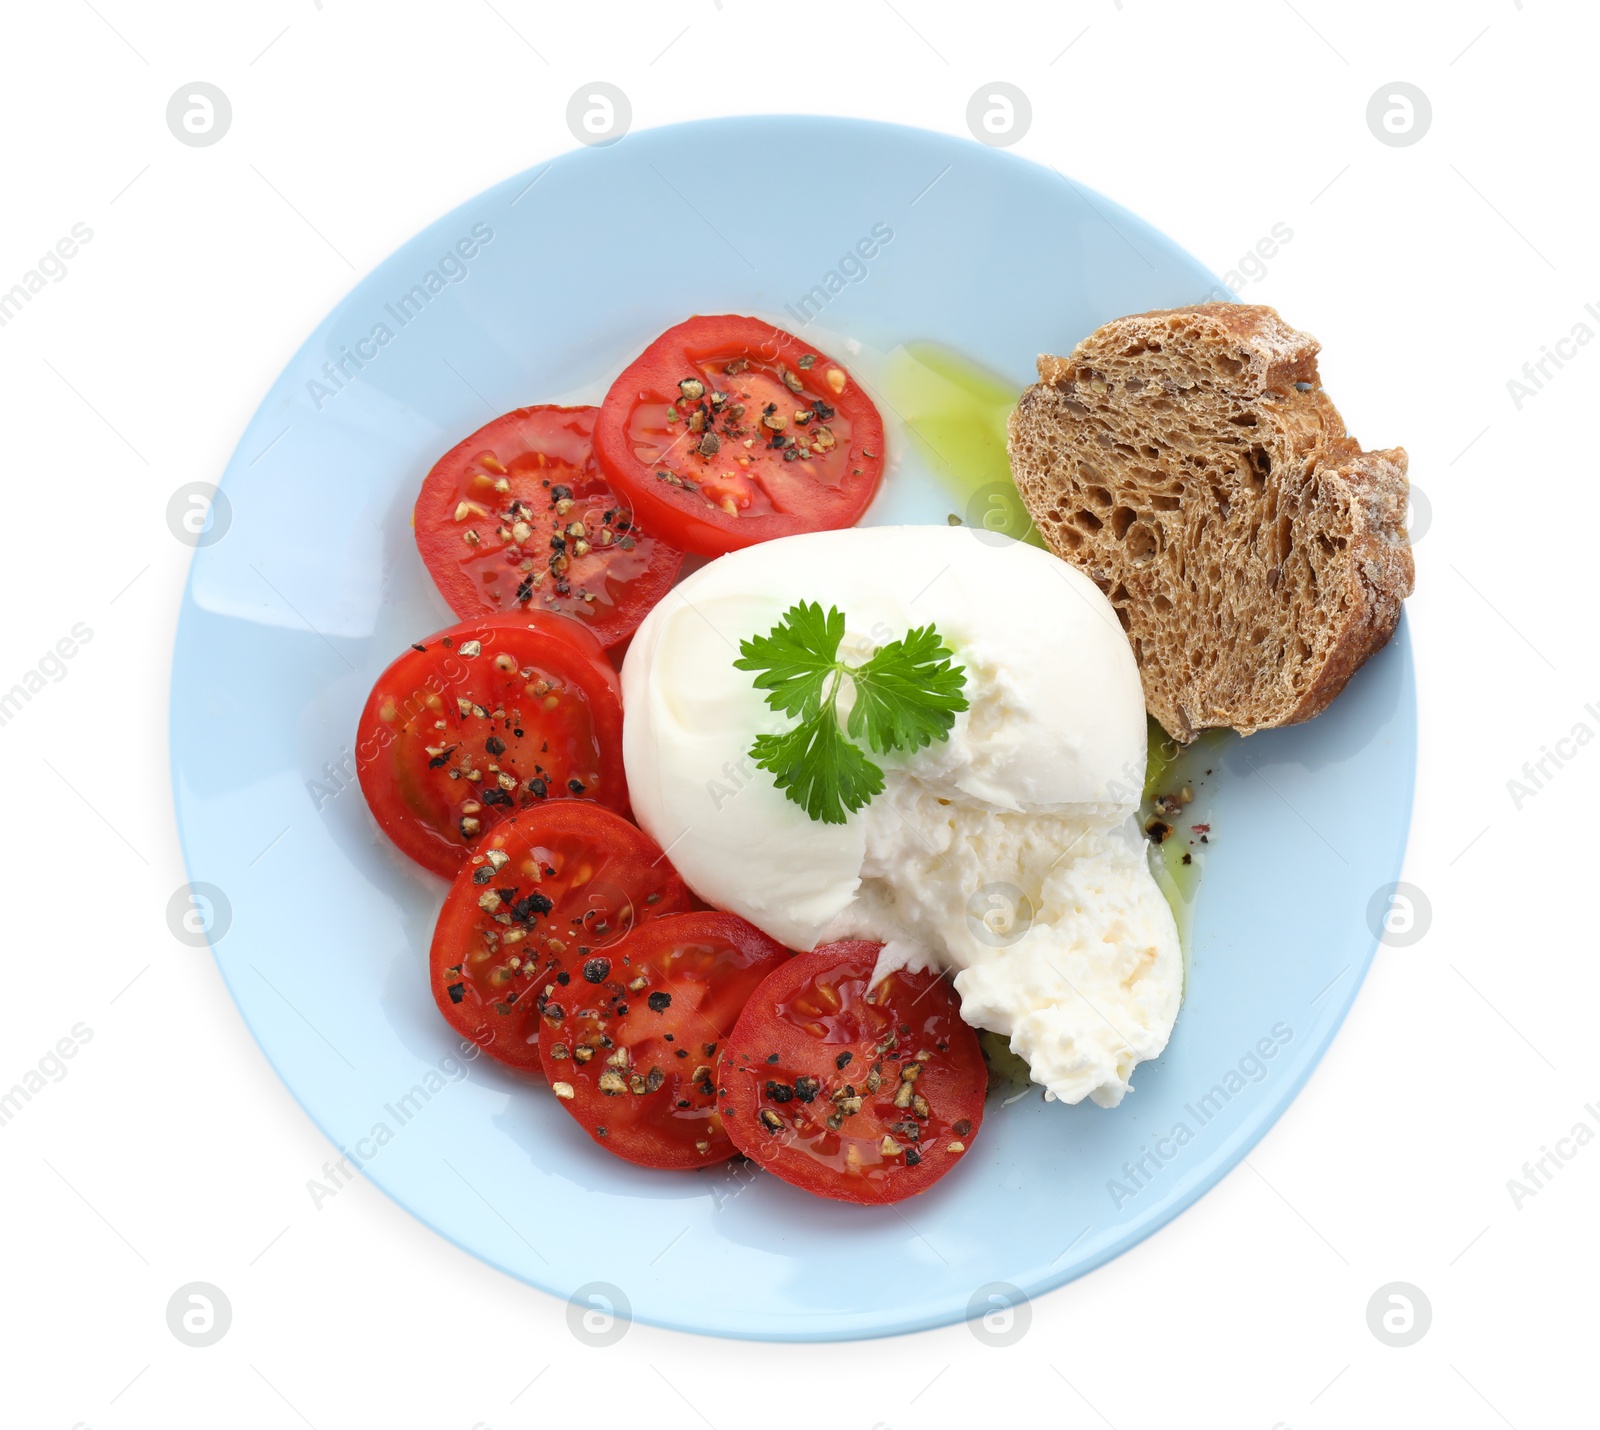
x=1008 y=855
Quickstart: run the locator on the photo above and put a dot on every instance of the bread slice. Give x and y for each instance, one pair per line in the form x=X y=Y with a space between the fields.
x=1188 y=461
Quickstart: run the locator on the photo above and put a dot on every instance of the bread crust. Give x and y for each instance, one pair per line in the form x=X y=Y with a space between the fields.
x=1189 y=462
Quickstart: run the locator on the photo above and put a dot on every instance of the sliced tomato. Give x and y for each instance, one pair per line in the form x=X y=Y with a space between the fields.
x=630 y=1045
x=547 y=890
x=727 y=431
x=859 y=1093
x=484 y=719
x=518 y=517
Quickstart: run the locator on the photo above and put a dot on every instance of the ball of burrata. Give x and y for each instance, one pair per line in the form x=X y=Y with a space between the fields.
x=1008 y=855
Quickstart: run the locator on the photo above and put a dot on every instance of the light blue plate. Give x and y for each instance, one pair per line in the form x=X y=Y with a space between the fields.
x=316 y=585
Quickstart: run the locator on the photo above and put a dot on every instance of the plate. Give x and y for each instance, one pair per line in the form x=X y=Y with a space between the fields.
x=306 y=583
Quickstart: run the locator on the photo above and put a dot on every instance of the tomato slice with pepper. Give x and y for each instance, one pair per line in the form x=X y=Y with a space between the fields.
x=727 y=431
x=519 y=517
x=484 y=719
x=555 y=886
x=853 y=1091
x=630 y=1045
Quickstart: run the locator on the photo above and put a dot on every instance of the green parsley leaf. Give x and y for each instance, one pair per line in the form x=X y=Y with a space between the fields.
x=907 y=695
x=818 y=768
x=796 y=658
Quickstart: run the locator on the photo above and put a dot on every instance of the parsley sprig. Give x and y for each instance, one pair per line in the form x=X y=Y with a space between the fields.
x=907 y=695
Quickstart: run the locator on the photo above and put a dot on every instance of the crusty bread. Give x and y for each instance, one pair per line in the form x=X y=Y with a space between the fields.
x=1190 y=464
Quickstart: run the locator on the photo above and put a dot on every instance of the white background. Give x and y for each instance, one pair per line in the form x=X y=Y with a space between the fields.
x=169 y=1152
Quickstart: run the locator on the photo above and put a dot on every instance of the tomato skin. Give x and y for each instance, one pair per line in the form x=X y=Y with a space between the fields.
x=625 y=1041
x=414 y=732
x=575 y=881
x=645 y=423
x=542 y=458
x=815 y=1034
